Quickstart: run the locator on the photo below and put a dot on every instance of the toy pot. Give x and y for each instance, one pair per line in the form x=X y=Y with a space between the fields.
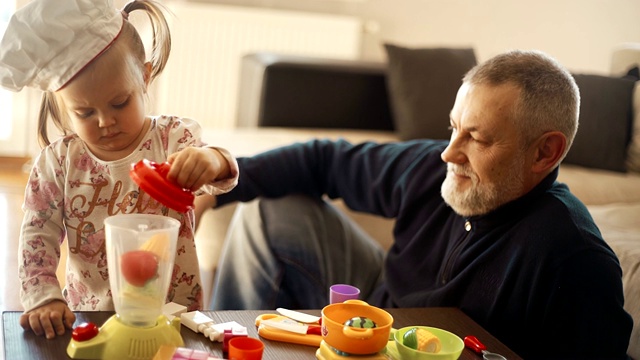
x=355 y=340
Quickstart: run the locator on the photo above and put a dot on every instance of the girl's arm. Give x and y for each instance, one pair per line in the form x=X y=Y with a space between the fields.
x=46 y=311
x=194 y=165
x=42 y=233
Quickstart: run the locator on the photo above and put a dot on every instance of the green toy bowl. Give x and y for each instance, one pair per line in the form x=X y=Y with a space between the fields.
x=452 y=345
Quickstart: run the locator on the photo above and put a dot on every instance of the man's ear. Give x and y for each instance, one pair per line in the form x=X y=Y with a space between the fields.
x=548 y=151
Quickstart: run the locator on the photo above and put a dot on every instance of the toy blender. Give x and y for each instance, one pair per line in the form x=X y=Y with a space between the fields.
x=140 y=254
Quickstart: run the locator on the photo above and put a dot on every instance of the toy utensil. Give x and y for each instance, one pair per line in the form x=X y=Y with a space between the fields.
x=298 y=316
x=474 y=344
x=288 y=326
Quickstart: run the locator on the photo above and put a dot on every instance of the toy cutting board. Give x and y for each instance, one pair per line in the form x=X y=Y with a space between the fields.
x=277 y=334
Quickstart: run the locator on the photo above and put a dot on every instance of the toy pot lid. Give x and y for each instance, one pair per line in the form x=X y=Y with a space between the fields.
x=152 y=179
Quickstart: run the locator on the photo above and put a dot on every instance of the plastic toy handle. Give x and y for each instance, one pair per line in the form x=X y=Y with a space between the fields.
x=474 y=344
x=314 y=330
x=357 y=333
x=355 y=301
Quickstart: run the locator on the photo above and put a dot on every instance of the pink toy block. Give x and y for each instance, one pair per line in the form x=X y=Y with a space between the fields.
x=230 y=333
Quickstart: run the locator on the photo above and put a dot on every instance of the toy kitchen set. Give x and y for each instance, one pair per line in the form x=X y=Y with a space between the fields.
x=140 y=254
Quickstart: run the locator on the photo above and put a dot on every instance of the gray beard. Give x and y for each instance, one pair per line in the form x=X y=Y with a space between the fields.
x=480 y=199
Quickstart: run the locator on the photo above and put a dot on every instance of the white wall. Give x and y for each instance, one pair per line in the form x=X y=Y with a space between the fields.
x=579 y=33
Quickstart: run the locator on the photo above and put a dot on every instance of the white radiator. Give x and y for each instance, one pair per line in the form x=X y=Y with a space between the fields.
x=201 y=78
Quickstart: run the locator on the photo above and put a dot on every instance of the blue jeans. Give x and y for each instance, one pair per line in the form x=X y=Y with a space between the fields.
x=287 y=252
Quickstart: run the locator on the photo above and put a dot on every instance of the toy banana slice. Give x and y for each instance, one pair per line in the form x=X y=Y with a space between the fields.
x=158 y=244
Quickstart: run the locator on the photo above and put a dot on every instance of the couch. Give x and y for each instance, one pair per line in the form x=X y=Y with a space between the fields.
x=284 y=99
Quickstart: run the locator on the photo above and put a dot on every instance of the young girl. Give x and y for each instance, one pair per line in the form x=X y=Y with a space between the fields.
x=90 y=62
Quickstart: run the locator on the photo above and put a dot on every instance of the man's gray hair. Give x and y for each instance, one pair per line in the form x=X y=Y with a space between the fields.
x=550 y=99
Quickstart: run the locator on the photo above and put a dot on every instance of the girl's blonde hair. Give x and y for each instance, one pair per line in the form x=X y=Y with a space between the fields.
x=130 y=46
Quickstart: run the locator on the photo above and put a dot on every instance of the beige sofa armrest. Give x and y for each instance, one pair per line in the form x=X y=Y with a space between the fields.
x=209 y=238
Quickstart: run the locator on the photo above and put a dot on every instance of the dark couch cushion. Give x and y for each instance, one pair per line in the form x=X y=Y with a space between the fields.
x=606 y=115
x=301 y=91
x=422 y=85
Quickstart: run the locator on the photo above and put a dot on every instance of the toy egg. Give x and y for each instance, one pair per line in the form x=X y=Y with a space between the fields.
x=361 y=322
x=422 y=340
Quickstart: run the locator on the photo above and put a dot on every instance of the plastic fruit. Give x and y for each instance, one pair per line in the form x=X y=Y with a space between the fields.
x=421 y=340
x=361 y=322
x=139 y=266
x=158 y=244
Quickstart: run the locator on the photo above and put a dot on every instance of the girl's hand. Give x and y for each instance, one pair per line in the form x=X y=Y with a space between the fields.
x=196 y=166
x=50 y=319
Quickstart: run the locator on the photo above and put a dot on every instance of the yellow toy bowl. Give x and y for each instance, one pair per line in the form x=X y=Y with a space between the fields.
x=452 y=345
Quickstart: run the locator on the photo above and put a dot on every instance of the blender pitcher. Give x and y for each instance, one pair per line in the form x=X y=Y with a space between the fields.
x=141 y=252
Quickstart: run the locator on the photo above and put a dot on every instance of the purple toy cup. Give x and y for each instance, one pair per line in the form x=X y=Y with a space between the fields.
x=339 y=293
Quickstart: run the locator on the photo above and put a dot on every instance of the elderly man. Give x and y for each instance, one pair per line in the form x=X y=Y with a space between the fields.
x=481 y=222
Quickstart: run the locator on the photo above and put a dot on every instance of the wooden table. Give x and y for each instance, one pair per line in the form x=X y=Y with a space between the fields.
x=19 y=344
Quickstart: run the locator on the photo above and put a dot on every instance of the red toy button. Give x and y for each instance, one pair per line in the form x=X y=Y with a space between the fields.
x=85 y=331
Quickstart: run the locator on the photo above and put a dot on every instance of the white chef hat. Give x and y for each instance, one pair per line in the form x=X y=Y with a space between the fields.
x=48 y=42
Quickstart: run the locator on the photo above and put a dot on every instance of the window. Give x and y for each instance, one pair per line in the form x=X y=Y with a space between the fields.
x=6 y=8
x=17 y=118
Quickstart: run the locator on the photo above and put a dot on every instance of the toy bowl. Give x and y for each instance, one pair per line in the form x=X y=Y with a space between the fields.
x=452 y=345
x=353 y=340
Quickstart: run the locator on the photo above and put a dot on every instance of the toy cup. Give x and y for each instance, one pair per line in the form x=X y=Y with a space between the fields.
x=245 y=348
x=339 y=293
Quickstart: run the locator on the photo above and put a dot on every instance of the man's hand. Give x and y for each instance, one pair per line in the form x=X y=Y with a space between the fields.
x=194 y=166
x=50 y=319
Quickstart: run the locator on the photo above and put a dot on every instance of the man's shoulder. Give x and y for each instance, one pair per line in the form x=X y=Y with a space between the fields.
x=562 y=217
x=567 y=203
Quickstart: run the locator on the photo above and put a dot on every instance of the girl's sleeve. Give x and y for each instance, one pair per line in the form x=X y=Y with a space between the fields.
x=42 y=233
x=185 y=132
x=223 y=186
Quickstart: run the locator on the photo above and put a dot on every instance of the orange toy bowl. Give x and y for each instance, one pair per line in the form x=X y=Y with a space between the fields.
x=357 y=341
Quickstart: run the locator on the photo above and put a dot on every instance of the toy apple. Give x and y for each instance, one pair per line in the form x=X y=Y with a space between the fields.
x=139 y=266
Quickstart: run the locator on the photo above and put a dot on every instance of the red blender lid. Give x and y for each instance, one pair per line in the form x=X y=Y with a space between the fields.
x=152 y=178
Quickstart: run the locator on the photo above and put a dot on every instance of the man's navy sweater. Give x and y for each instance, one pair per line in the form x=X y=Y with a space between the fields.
x=536 y=272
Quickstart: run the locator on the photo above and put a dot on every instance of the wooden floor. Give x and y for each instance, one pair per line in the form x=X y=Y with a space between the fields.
x=13 y=180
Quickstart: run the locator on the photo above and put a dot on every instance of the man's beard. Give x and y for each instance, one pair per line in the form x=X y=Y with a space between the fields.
x=479 y=199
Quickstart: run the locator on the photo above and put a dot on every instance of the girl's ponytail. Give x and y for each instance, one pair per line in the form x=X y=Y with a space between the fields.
x=161 y=36
x=49 y=108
